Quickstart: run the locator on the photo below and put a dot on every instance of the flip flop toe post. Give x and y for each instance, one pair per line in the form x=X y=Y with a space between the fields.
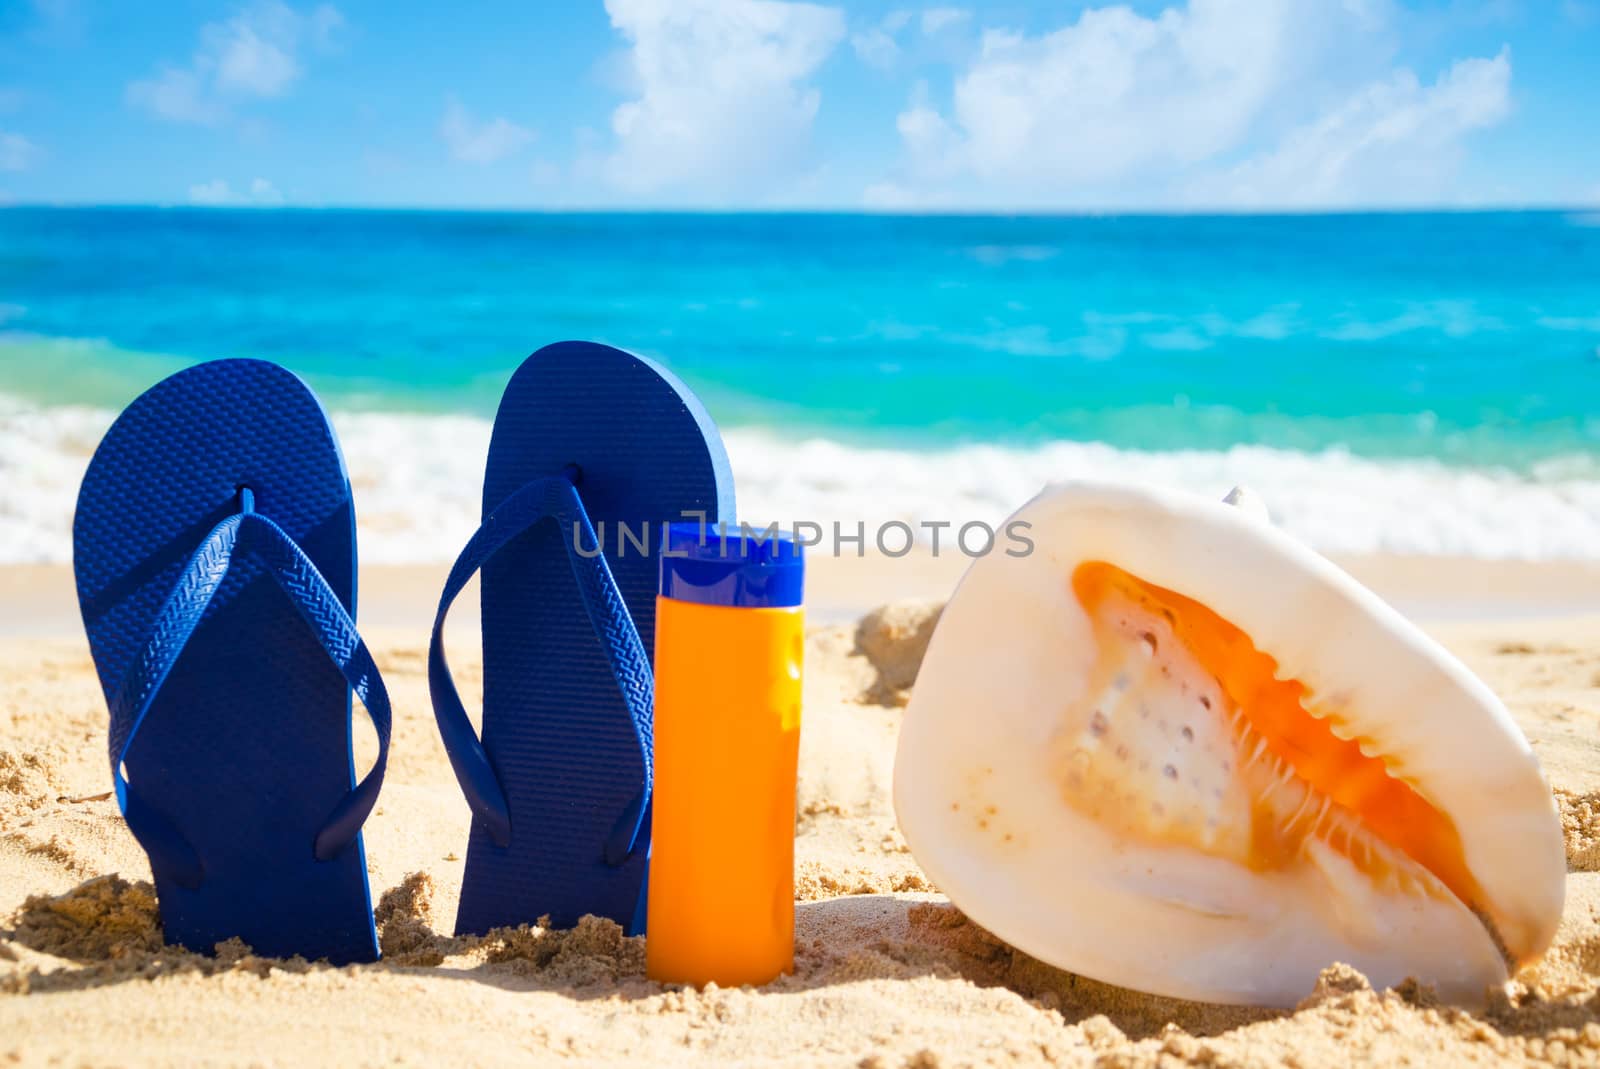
x=214 y=551
x=593 y=449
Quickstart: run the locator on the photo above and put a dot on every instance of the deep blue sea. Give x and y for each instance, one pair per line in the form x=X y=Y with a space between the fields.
x=1408 y=382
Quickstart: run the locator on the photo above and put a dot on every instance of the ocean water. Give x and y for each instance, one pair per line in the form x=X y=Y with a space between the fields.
x=1421 y=383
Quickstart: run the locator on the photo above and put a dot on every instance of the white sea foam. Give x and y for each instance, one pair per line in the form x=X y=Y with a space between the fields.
x=417 y=482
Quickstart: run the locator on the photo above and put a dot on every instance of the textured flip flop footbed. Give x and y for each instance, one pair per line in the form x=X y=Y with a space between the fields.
x=247 y=748
x=555 y=725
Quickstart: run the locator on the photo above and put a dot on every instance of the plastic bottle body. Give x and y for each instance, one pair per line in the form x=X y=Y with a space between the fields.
x=727 y=737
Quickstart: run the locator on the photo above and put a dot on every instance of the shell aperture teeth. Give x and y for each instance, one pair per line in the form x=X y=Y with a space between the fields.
x=1337 y=727
x=1197 y=739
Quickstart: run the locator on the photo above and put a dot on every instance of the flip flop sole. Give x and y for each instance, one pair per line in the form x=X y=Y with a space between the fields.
x=555 y=726
x=247 y=748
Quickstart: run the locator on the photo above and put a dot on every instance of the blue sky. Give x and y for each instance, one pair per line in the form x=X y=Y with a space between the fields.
x=1011 y=105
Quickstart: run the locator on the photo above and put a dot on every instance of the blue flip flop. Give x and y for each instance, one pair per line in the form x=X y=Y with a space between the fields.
x=214 y=548
x=594 y=449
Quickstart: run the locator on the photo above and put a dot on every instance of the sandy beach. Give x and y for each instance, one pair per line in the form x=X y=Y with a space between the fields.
x=888 y=973
x=305 y=285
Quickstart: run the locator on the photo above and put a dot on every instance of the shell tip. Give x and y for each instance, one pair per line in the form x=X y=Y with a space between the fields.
x=1248 y=502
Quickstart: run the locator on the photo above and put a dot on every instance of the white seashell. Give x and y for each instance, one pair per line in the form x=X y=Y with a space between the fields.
x=1176 y=750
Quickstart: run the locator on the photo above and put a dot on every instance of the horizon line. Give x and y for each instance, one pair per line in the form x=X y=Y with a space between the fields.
x=949 y=212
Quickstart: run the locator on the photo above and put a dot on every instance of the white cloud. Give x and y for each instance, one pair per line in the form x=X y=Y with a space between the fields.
x=256 y=53
x=895 y=21
x=1392 y=142
x=935 y=19
x=1117 y=107
x=875 y=46
x=879 y=45
x=217 y=193
x=895 y=197
x=1579 y=14
x=177 y=95
x=472 y=141
x=723 y=100
x=264 y=192
x=545 y=174
x=17 y=153
x=1111 y=93
x=53 y=22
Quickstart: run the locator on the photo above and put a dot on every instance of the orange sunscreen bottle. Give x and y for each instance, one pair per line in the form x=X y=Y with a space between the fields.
x=729 y=639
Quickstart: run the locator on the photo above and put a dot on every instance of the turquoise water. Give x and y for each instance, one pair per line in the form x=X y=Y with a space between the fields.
x=1470 y=338
x=1388 y=383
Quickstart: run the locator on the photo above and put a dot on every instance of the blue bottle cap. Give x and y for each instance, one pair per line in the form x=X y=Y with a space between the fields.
x=745 y=568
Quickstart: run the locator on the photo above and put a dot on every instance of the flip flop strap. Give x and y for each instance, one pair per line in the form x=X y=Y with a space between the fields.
x=554 y=498
x=244 y=532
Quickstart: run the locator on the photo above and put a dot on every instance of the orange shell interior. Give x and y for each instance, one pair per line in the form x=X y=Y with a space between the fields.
x=1277 y=710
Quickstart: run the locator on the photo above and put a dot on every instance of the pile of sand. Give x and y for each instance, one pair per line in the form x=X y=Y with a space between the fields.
x=888 y=974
